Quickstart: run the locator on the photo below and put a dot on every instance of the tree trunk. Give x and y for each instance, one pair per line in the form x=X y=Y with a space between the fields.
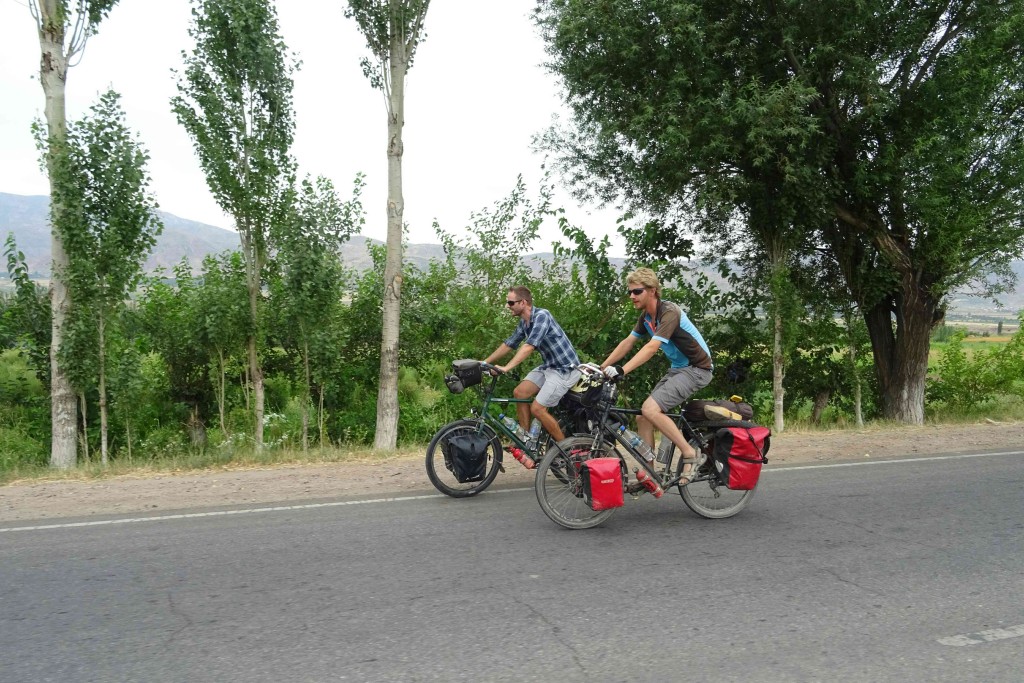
x=857 y=407
x=222 y=381
x=85 y=427
x=778 y=373
x=253 y=271
x=320 y=415
x=257 y=392
x=820 y=403
x=305 y=397
x=52 y=76
x=386 y=437
x=916 y=315
x=196 y=430
x=901 y=355
x=103 y=395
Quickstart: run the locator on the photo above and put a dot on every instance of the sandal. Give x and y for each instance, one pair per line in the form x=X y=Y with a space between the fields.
x=687 y=477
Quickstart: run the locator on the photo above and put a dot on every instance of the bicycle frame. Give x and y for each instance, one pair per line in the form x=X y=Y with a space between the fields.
x=605 y=427
x=492 y=421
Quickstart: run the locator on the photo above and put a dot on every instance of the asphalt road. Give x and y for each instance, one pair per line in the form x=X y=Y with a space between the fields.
x=909 y=570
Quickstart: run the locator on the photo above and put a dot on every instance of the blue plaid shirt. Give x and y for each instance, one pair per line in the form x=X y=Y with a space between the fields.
x=544 y=334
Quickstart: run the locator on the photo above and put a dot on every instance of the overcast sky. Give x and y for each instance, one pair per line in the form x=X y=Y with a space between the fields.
x=476 y=95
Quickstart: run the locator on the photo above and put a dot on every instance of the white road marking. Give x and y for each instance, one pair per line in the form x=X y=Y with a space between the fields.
x=965 y=639
x=400 y=499
x=239 y=511
x=898 y=461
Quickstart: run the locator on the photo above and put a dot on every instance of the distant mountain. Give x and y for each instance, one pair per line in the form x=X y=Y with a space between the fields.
x=28 y=218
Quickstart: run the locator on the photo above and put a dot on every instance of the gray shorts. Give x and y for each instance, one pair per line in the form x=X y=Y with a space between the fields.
x=678 y=385
x=553 y=384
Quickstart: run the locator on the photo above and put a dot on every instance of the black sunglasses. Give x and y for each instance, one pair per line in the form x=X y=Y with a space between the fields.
x=513 y=303
x=636 y=292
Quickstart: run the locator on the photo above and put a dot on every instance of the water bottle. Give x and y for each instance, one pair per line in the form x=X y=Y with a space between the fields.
x=649 y=483
x=514 y=427
x=665 y=450
x=634 y=440
x=518 y=453
x=535 y=430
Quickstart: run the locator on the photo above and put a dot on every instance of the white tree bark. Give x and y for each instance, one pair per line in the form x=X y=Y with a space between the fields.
x=52 y=76
x=386 y=437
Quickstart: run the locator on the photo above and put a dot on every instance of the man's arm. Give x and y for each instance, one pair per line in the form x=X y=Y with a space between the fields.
x=524 y=351
x=500 y=352
x=642 y=356
x=620 y=351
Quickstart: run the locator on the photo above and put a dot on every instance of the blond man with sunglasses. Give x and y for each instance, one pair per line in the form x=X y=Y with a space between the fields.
x=669 y=330
x=549 y=381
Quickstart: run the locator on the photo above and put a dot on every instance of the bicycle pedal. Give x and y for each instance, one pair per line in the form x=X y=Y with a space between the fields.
x=635 y=488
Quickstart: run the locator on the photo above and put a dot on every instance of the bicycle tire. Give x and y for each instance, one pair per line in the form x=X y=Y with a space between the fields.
x=707 y=496
x=559 y=486
x=439 y=468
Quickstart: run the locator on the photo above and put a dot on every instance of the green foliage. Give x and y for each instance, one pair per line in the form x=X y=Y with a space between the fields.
x=388 y=24
x=891 y=133
x=963 y=382
x=26 y=317
x=24 y=414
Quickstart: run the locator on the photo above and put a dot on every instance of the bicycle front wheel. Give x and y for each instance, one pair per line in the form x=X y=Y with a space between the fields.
x=559 y=484
x=440 y=470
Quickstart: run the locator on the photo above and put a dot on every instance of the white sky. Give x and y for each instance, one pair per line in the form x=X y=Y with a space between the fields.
x=475 y=96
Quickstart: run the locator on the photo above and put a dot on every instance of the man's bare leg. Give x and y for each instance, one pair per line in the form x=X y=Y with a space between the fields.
x=547 y=420
x=525 y=390
x=652 y=414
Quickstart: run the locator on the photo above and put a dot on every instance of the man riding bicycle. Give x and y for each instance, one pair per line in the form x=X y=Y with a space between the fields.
x=554 y=376
x=669 y=330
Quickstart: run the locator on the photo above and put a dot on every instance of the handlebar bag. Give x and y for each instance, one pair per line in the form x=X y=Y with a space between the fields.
x=467 y=454
x=739 y=453
x=586 y=391
x=602 y=483
x=468 y=371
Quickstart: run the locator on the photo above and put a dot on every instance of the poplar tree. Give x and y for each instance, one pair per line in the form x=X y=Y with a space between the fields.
x=64 y=26
x=235 y=101
x=393 y=29
x=109 y=226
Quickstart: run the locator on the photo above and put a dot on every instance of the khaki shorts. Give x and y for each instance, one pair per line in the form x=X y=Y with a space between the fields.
x=553 y=384
x=678 y=385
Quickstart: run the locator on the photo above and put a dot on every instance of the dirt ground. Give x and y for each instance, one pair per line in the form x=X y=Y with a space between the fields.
x=39 y=500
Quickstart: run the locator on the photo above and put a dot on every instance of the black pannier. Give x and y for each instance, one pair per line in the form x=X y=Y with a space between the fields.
x=468 y=456
x=467 y=373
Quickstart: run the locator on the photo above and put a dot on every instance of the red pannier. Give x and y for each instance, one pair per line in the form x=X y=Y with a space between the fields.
x=739 y=453
x=602 y=483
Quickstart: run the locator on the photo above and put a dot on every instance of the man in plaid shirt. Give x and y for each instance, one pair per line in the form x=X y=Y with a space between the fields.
x=551 y=379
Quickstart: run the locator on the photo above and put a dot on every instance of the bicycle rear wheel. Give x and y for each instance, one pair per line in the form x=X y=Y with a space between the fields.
x=439 y=462
x=559 y=486
x=711 y=499
x=706 y=495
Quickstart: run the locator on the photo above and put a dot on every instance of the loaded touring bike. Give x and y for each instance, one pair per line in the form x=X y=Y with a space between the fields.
x=465 y=456
x=572 y=471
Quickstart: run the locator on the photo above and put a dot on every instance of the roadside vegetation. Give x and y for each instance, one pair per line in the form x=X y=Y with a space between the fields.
x=840 y=186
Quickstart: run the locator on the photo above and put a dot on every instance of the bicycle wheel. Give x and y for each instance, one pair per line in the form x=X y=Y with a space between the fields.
x=439 y=462
x=706 y=495
x=559 y=485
